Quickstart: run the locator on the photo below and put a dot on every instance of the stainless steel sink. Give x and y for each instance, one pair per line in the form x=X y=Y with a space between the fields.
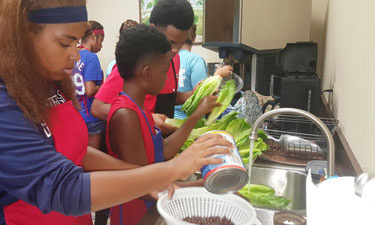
x=287 y=183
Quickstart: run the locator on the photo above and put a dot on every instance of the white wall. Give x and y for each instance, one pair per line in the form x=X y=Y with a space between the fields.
x=208 y=55
x=271 y=24
x=349 y=68
x=318 y=24
x=111 y=14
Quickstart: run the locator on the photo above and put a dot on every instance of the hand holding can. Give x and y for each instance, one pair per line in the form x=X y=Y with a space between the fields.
x=228 y=176
x=197 y=155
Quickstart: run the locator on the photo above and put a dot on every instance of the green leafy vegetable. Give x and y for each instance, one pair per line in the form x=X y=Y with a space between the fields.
x=208 y=87
x=243 y=142
x=262 y=135
x=246 y=157
x=264 y=196
x=226 y=95
x=200 y=123
x=239 y=129
x=178 y=122
x=257 y=189
x=272 y=202
x=244 y=153
x=225 y=120
x=218 y=125
x=259 y=147
x=246 y=160
x=186 y=144
x=175 y=122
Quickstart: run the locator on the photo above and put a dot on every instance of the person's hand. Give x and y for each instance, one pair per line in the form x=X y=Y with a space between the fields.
x=224 y=71
x=197 y=85
x=207 y=104
x=159 y=120
x=197 y=155
x=171 y=189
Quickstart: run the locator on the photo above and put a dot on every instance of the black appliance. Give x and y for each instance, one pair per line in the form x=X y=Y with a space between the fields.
x=236 y=54
x=298 y=86
x=254 y=66
x=239 y=56
x=264 y=66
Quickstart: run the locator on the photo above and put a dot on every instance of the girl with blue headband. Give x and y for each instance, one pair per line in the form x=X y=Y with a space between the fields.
x=48 y=174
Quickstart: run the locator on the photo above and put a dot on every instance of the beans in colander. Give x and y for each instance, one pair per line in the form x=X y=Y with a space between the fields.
x=212 y=220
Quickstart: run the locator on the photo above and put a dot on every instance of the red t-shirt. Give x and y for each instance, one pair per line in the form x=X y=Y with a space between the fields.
x=114 y=83
x=132 y=211
x=123 y=101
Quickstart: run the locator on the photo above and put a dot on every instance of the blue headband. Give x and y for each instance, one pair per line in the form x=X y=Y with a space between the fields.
x=59 y=15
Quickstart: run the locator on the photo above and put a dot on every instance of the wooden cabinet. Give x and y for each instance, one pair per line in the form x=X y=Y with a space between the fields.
x=261 y=24
x=219 y=18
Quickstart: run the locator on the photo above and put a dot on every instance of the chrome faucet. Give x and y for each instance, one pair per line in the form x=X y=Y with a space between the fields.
x=313 y=118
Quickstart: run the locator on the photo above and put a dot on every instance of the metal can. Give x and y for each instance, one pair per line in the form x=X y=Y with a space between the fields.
x=229 y=176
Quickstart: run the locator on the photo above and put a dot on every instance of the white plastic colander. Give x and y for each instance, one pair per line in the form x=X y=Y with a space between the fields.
x=197 y=201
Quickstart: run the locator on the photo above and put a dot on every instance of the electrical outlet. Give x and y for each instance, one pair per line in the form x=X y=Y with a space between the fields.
x=330 y=94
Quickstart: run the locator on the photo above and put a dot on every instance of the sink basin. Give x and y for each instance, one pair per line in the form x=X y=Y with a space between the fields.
x=290 y=184
x=286 y=182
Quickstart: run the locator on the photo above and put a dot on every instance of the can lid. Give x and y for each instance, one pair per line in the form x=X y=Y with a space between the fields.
x=225 y=181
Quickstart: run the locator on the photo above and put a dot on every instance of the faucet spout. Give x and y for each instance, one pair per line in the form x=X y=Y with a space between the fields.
x=312 y=118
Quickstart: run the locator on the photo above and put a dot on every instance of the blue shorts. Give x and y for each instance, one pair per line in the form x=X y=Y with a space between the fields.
x=96 y=127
